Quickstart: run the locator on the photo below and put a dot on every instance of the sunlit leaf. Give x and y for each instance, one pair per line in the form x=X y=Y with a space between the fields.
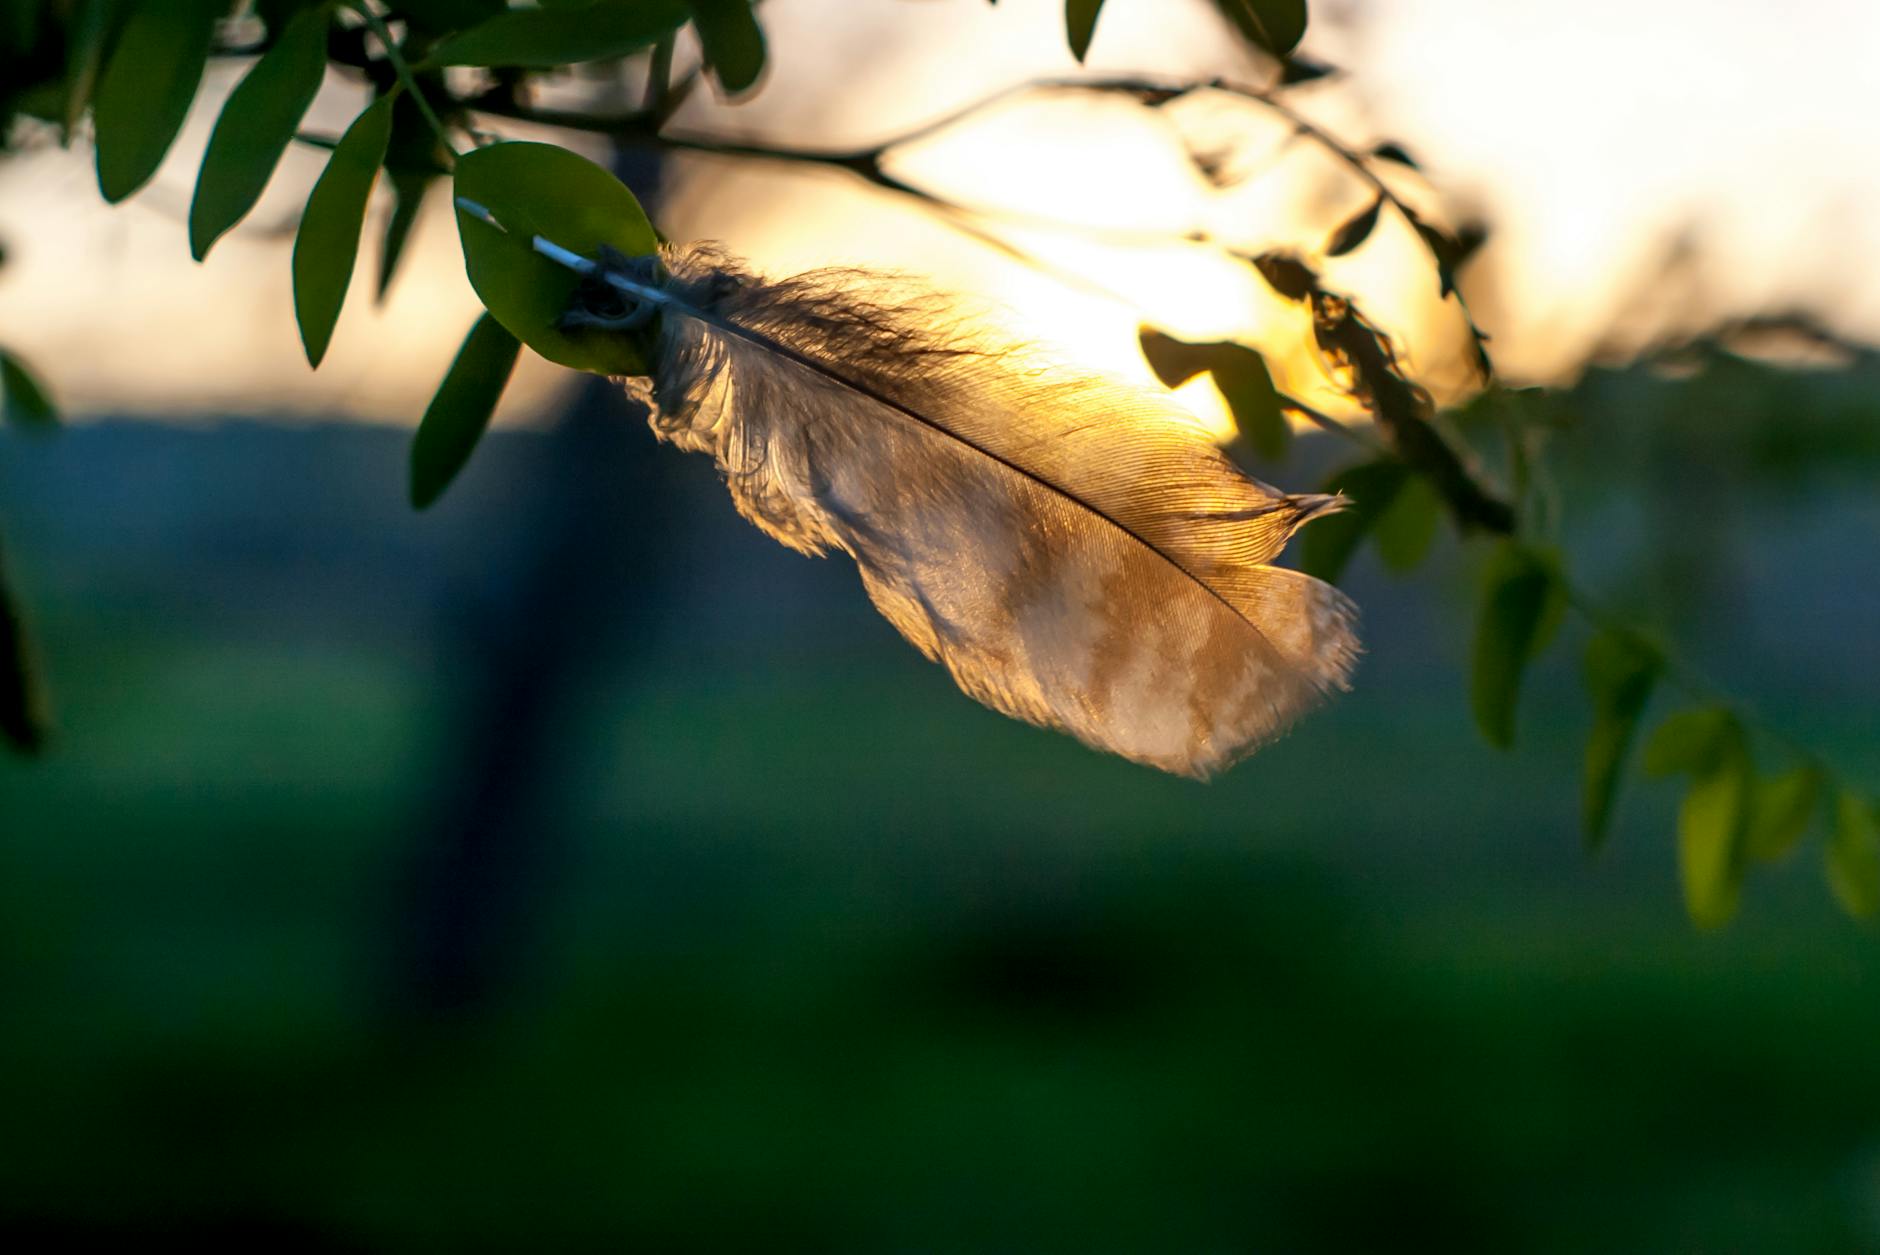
x=328 y=242
x=1780 y=810
x=1620 y=672
x=1690 y=740
x=540 y=189
x=460 y=412
x=733 y=42
x=1710 y=838
x=1407 y=527
x=1521 y=603
x=1328 y=545
x=255 y=127
x=1275 y=25
x=145 y=90
x=1080 y=23
x=23 y=397
x=1853 y=858
x=548 y=38
x=1354 y=232
x=1241 y=375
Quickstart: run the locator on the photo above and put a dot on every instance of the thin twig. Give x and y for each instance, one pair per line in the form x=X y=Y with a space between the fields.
x=646 y=126
x=866 y=160
x=405 y=77
x=659 y=77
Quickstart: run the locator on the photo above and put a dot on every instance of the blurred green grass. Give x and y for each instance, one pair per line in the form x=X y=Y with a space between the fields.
x=832 y=959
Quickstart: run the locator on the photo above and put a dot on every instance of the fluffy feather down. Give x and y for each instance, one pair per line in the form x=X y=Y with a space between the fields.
x=1073 y=549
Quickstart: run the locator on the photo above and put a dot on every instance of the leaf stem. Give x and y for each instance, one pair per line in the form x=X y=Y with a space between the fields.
x=405 y=77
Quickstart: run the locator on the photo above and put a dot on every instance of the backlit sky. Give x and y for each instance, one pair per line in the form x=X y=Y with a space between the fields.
x=1592 y=136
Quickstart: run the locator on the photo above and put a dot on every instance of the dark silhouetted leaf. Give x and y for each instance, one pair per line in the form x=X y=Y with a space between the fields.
x=21 y=714
x=19 y=28
x=255 y=127
x=1690 y=740
x=414 y=159
x=459 y=413
x=1288 y=276
x=1853 y=857
x=1521 y=603
x=328 y=242
x=1275 y=25
x=1326 y=546
x=1174 y=361
x=1354 y=232
x=548 y=38
x=733 y=42
x=1397 y=153
x=1241 y=375
x=1404 y=532
x=1620 y=672
x=23 y=398
x=1711 y=823
x=1450 y=251
x=540 y=189
x=1780 y=808
x=408 y=191
x=1304 y=70
x=440 y=17
x=146 y=88
x=1080 y=23
x=90 y=31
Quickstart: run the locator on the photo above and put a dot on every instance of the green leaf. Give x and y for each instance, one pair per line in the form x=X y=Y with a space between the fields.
x=1355 y=232
x=1406 y=529
x=1521 y=604
x=1710 y=838
x=1853 y=860
x=1620 y=673
x=1780 y=808
x=145 y=91
x=408 y=191
x=1331 y=541
x=23 y=397
x=540 y=189
x=255 y=127
x=460 y=412
x=86 y=38
x=438 y=17
x=21 y=707
x=19 y=28
x=414 y=159
x=549 y=38
x=1690 y=740
x=1080 y=23
x=1241 y=375
x=328 y=242
x=733 y=42
x=1275 y=25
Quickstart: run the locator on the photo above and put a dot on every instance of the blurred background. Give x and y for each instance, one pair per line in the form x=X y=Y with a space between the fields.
x=570 y=867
